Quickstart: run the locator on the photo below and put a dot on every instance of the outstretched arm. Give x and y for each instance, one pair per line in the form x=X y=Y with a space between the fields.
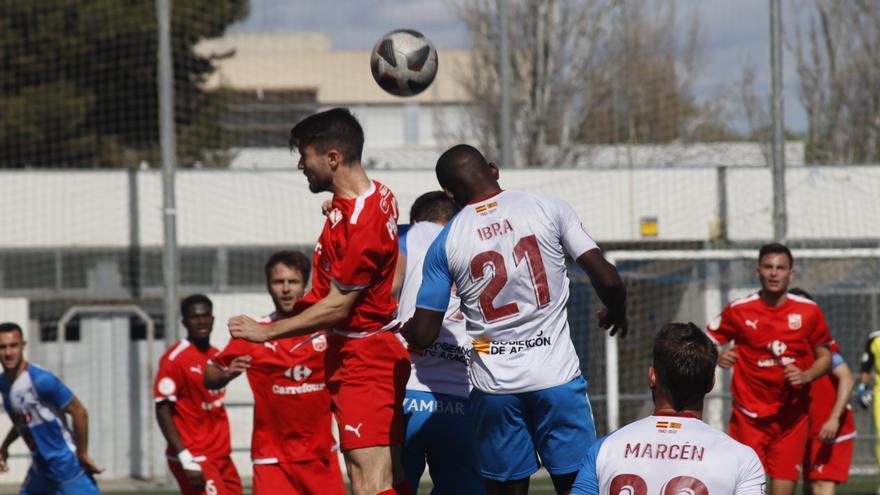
x=610 y=289
x=81 y=435
x=332 y=309
x=217 y=377
x=845 y=385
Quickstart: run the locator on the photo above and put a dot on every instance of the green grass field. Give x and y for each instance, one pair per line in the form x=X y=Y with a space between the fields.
x=860 y=484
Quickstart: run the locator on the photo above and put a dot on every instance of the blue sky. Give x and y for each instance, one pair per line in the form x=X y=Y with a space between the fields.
x=734 y=33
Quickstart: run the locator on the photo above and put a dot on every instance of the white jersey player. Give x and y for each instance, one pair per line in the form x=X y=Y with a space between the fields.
x=436 y=401
x=673 y=451
x=505 y=254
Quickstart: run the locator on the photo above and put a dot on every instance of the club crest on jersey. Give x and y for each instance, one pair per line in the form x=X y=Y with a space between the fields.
x=335 y=217
x=795 y=321
x=320 y=343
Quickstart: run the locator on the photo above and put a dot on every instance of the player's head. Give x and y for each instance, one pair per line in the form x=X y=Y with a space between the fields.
x=197 y=313
x=775 y=268
x=326 y=141
x=684 y=366
x=466 y=175
x=800 y=292
x=434 y=206
x=287 y=273
x=11 y=345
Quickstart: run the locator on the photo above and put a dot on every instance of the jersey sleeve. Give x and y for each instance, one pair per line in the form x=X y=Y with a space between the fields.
x=52 y=390
x=750 y=478
x=572 y=233
x=587 y=481
x=235 y=348
x=436 y=280
x=365 y=253
x=820 y=334
x=723 y=328
x=402 y=230
x=168 y=382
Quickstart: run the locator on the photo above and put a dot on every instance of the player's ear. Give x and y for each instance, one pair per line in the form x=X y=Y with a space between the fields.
x=652 y=377
x=494 y=168
x=334 y=158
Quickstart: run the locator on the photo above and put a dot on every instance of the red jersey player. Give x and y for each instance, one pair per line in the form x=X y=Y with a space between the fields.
x=191 y=417
x=832 y=427
x=292 y=442
x=366 y=367
x=780 y=347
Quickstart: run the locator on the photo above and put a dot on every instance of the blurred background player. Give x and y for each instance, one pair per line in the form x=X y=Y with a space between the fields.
x=781 y=345
x=439 y=421
x=292 y=442
x=673 y=450
x=870 y=368
x=505 y=254
x=829 y=449
x=366 y=366
x=192 y=418
x=36 y=401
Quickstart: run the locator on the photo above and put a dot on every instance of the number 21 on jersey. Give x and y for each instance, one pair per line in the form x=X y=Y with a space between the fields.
x=491 y=264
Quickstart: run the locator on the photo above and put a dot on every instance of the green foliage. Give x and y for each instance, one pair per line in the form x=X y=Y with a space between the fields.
x=78 y=81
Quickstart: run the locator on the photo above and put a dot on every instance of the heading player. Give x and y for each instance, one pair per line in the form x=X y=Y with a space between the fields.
x=366 y=366
x=37 y=401
x=439 y=421
x=192 y=418
x=829 y=449
x=505 y=253
x=781 y=345
x=292 y=442
x=673 y=450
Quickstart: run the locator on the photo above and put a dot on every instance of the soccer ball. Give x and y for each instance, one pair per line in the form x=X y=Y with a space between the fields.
x=404 y=62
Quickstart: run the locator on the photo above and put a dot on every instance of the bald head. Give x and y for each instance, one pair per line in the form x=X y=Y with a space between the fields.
x=465 y=173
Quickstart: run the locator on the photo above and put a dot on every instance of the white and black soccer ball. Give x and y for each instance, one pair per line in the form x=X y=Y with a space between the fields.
x=404 y=62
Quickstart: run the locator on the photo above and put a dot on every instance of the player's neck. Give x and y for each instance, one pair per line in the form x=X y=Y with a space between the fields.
x=201 y=344
x=686 y=413
x=484 y=193
x=773 y=299
x=350 y=182
x=12 y=374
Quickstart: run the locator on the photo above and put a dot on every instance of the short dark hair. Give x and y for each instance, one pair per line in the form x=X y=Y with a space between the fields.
x=335 y=128
x=434 y=206
x=684 y=363
x=11 y=327
x=800 y=292
x=775 y=248
x=190 y=301
x=290 y=259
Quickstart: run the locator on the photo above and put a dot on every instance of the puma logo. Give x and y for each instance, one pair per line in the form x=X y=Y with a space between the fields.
x=353 y=429
x=271 y=345
x=752 y=323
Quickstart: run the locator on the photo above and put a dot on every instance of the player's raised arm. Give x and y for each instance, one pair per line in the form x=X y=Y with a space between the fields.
x=217 y=376
x=80 y=417
x=610 y=289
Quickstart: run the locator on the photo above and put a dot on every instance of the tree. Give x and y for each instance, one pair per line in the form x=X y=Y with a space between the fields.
x=78 y=81
x=586 y=72
x=838 y=67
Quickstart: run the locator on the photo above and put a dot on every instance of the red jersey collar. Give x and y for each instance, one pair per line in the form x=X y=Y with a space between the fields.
x=484 y=198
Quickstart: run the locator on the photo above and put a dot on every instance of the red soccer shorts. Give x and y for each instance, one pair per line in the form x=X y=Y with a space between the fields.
x=304 y=477
x=367 y=382
x=779 y=440
x=828 y=461
x=220 y=475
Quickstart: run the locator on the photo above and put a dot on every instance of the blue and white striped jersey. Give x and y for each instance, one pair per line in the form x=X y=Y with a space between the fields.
x=36 y=402
x=506 y=256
